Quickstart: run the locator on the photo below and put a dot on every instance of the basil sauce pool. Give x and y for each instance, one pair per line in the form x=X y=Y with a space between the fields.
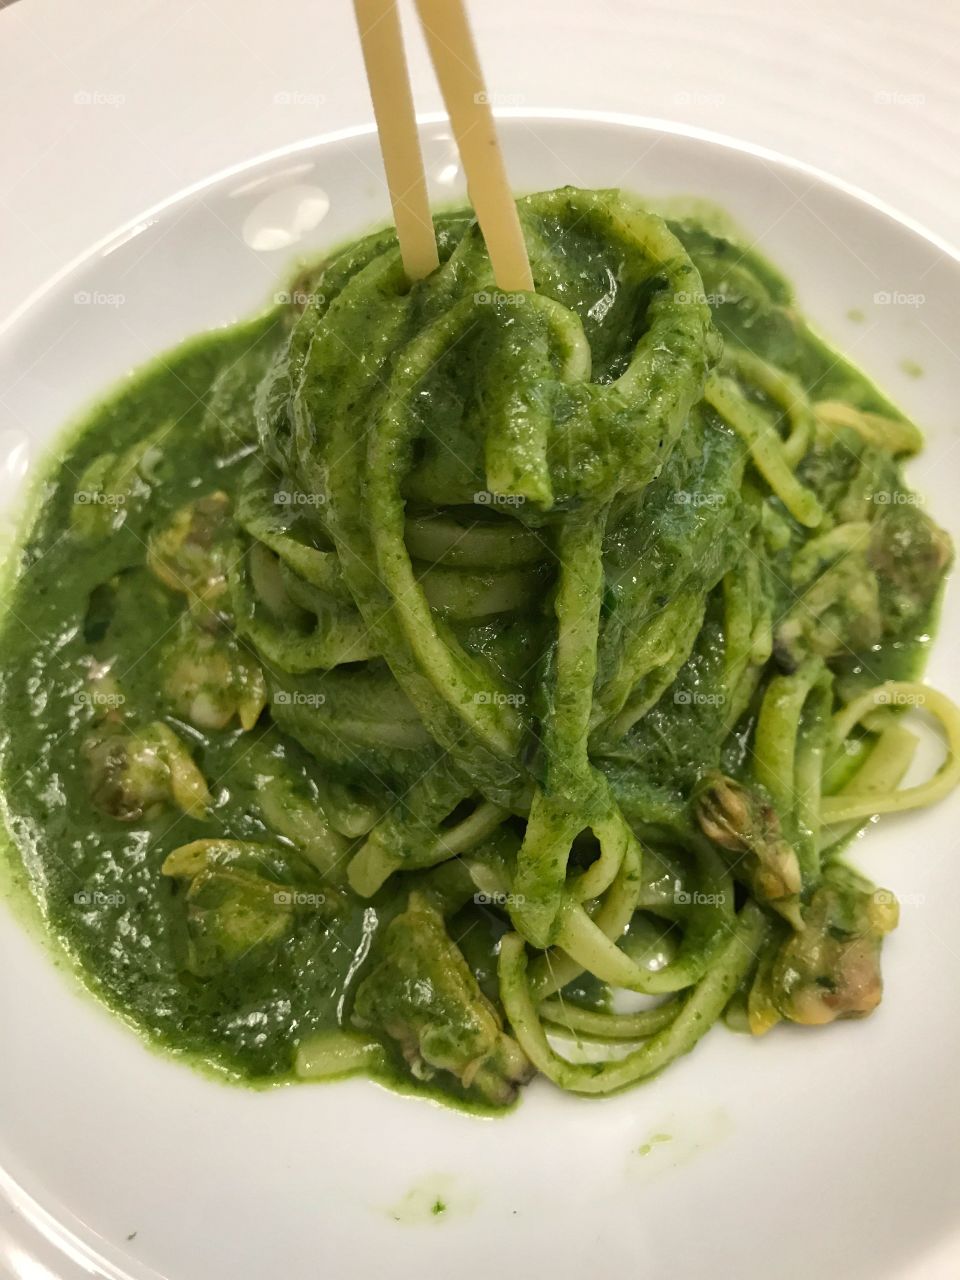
x=89 y=639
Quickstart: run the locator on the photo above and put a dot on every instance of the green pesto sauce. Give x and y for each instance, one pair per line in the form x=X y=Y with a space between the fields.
x=646 y=1147
x=434 y=1199
x=98 y=881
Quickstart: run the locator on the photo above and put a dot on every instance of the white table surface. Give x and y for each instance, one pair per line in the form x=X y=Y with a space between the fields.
x=108 y=106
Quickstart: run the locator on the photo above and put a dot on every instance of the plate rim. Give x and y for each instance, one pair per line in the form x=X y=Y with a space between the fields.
x=571 y=115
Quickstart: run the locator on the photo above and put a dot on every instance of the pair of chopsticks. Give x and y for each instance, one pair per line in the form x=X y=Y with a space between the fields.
x=454 y=57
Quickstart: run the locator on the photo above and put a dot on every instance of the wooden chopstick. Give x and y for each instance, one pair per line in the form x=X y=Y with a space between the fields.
x=457 y=66
x=381 y=38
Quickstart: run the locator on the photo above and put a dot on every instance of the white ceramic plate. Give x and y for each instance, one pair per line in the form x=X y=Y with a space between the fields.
x=830 y=1152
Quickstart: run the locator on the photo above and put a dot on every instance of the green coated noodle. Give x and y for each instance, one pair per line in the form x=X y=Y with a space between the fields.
x=589 y=946
x=340 y=636
x=784 y=390
x=328 y=1055
x=615 y=839
x=700 y=1011
x=880 y=773
x=653 y=661
x=850 y=806
x=564 y=806
x=409 y=835
x=589 y=942
x=499 y=545
x=814 y=556
x=462 y=594
x=778 y=725
x=813 y=738
x=790 y=744
x=894 y=435
x=766 y=449
x=455 y=678
x=747 y=633
x=564 y=1017
x=516 y=447
x=555 y=968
